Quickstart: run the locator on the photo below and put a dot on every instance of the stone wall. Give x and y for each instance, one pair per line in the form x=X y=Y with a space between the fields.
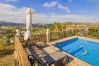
x=20 y=54
x=39 y=38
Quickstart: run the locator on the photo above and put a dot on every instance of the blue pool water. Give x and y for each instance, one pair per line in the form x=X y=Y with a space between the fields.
x=85 y=50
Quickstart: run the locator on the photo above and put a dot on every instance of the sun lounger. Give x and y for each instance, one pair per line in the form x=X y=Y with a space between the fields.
x=36 y=54
x=44 y=59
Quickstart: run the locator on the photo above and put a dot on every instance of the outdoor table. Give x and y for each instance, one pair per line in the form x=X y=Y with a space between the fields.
x=54 y=57
x=50 y=49
x=40 y=44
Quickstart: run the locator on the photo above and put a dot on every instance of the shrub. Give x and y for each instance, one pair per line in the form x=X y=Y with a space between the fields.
x=1 y=47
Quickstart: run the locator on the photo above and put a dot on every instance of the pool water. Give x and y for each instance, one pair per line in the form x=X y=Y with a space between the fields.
x=85 y=50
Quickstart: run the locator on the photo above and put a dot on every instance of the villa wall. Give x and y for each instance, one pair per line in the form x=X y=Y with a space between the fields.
x=20 y=54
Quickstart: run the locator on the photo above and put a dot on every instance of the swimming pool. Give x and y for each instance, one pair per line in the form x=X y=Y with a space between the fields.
x=83 y=49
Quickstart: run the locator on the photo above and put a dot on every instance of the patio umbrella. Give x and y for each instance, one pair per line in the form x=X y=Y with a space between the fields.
x=28 y=24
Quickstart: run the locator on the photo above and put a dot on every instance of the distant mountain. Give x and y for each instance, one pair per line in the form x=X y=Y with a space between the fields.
x=4 y=23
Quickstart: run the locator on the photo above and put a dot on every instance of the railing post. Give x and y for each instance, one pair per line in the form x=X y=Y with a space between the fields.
x=17 y=32
x=48 y=35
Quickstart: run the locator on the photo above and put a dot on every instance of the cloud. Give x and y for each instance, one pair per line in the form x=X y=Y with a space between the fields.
x=65 y=8
x=51 y=4
x=10 y=13
x=57 y=5
x=43 y=18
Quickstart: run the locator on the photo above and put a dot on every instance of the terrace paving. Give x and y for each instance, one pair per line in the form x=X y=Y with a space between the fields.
x=51 y=50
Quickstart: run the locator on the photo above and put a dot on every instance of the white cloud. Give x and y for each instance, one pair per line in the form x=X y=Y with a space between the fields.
x=12 y=14
x=51 y=4
x=65 y=8
x=42 y=18
x=57 y=5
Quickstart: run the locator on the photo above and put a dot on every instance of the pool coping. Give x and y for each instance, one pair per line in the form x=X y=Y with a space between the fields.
x=90 y=39
x=68 y=38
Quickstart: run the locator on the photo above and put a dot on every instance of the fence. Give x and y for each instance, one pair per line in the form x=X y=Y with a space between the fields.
x=59 y=35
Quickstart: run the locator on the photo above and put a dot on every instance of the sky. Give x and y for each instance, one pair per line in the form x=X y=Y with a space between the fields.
x=49 y=11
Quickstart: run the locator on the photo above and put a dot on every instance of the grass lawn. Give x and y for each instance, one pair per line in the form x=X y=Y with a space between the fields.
x=7 y=60
x=7 y=57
